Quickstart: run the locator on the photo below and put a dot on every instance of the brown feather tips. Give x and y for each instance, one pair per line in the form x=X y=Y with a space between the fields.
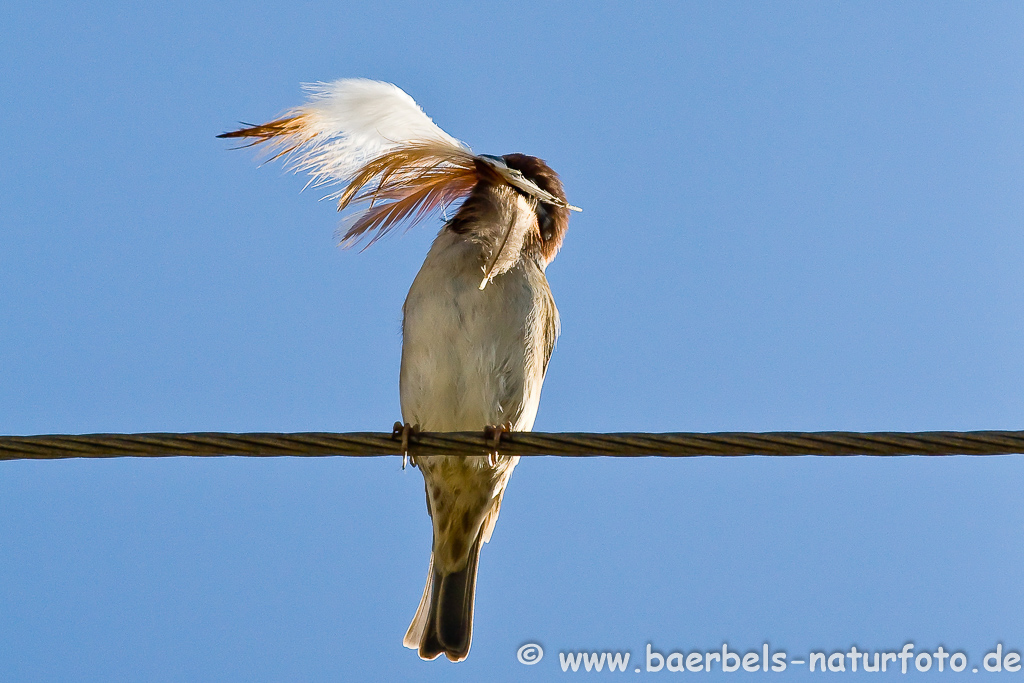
x=287 y=131
x=406 y=184
x=552 y=221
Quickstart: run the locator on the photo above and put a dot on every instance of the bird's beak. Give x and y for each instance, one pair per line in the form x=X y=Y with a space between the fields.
x=517 y=180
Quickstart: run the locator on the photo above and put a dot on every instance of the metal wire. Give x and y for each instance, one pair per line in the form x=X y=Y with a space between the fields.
x=571 y=444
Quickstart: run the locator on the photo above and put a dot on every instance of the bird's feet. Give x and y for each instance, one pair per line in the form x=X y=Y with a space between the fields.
x=494 y=433
x=405 y=431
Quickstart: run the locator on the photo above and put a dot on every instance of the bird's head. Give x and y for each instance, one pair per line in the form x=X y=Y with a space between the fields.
x=537 y=181
x=516 y=210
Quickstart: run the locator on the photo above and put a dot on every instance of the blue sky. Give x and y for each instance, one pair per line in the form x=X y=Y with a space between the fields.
x=797 y=216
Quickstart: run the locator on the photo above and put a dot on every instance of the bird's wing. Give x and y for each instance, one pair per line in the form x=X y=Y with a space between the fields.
x=373 y=137
x=552 y=327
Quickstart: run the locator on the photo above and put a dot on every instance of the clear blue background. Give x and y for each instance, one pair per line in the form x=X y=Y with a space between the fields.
x=797 y=217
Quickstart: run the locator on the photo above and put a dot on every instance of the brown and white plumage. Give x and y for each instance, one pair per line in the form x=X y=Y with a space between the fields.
x=373 y=138
x=479 y=322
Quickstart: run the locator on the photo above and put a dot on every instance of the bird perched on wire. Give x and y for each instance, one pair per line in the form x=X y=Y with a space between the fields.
x=479 y=322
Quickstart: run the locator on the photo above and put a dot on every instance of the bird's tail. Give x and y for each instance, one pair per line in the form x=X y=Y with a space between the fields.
x=444 y=619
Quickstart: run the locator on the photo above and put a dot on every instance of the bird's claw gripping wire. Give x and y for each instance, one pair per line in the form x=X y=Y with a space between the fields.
x=406 y=431
x=494 y=433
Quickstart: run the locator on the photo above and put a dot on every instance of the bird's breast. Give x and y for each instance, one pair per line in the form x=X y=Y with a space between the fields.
x=473 y=357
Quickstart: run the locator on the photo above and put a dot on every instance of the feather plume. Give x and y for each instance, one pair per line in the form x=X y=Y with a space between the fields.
x=373 y=137
x=406 y=184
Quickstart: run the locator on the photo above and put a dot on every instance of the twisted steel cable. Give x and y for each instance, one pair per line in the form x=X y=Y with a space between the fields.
x=570 y=444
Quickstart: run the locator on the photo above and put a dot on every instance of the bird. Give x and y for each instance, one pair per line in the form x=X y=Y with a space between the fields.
x=479 y=323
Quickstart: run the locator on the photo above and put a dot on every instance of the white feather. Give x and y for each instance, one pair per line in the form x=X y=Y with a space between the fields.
x=350 y=121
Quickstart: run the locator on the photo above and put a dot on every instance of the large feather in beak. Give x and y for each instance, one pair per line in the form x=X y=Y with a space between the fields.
x=393 y=160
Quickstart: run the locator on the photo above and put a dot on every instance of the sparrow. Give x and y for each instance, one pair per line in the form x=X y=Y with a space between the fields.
x=479 y=323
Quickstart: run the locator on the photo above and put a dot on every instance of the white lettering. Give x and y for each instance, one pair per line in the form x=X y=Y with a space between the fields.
x=617 y=660
x=854 y=655
x=998 y=656
x=906 y=654
x=651 y=655
x=566 y=659
x=726 y=666
x=593 y=661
